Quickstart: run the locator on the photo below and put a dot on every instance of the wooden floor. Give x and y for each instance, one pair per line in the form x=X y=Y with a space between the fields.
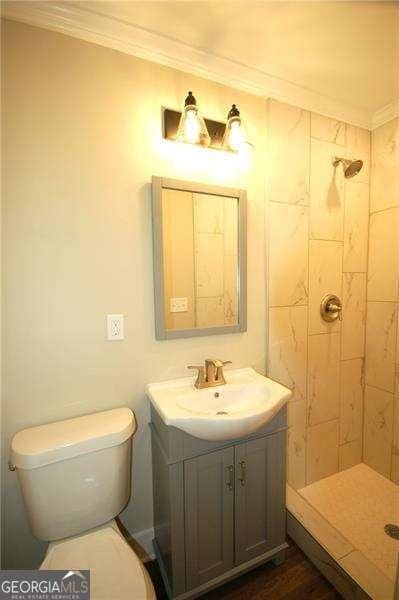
x=295 y=579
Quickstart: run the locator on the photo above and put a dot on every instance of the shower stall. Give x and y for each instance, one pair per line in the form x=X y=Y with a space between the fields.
x=335 y=231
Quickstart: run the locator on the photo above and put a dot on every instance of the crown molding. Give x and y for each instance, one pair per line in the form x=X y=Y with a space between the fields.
x=385 y=114
x=131 y=39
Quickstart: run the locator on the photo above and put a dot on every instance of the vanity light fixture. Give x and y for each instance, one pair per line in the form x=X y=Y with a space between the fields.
x=192 y=128
x=235 y=137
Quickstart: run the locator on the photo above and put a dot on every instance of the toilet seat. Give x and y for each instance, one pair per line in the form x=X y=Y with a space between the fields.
x=116 y=572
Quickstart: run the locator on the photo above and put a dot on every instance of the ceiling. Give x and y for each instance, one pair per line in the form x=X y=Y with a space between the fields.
x=345 y=50
x=343 y=56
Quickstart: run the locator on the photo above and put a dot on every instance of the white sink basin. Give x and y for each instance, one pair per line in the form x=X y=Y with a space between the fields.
x=225 y=412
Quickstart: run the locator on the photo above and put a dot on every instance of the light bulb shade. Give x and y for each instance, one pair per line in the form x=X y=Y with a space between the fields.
x=192 y=128
x=235 y=137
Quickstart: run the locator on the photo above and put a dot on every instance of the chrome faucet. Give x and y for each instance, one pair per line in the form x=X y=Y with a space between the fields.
x=211 y=374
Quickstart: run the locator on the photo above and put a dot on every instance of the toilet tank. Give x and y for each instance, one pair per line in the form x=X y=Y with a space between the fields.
x=74 y=474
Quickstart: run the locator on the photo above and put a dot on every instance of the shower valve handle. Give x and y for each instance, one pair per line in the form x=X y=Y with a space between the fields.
x=331 y=308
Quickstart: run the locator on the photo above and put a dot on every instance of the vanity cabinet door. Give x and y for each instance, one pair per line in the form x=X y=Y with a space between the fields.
x=259 y=496
x=209 y=519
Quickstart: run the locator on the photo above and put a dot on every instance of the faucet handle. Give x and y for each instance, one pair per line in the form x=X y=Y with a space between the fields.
x=198 y=367
x=217 y=363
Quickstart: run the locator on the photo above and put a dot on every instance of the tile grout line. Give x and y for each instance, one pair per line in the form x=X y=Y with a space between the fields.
x=379 y=389
x=325 y=423
x=317 y=239
x=396 y=350
x=366 y=295
x=267 y=224
x=341 y=341
x=289 y=203
x=381 y=210
x=307 y=406
x=288 y=305
x=382 y=301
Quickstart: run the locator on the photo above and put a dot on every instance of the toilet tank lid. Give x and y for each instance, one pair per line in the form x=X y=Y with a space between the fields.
x=53 y=442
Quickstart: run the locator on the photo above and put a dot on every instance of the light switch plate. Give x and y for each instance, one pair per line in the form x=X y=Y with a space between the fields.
x=115 y=328
x=178 y=305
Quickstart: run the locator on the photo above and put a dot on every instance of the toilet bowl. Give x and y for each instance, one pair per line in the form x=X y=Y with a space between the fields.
x=75 y=478
x=116 y=572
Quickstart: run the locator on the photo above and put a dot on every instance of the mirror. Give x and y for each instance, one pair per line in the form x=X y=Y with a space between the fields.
x=199 y=237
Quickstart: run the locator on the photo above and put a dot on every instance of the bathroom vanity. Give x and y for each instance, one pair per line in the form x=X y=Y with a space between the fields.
x=218 y=440
x=219 y=506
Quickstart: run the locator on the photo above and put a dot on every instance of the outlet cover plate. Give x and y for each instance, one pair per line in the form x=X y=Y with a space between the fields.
x=115 y=330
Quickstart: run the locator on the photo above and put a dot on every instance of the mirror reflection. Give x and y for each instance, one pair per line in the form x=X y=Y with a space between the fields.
x=200 y=266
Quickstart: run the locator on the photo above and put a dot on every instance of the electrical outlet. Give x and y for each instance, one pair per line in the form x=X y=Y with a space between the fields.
x=115 y=328
x=178 y=305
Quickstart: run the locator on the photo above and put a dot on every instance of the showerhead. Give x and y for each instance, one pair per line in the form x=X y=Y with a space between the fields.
x=351 y=167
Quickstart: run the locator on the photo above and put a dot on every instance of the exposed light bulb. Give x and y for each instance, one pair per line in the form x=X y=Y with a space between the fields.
x=235 y=137
x=192 y=128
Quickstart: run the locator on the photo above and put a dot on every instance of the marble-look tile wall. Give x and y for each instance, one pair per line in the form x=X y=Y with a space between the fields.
x=381 y=418
x=318 y=224
x=215 y=244
x=200 y=244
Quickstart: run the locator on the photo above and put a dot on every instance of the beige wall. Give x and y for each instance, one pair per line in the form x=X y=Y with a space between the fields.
x=381 y=422
x=82 y=140
x=317 y=245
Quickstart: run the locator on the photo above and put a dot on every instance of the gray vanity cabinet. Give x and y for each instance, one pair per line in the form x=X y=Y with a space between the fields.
x=259 y=496
x=219 y=507
x=209 y=514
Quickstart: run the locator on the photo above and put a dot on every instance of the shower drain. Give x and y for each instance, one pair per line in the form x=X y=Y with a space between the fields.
x=392 y=531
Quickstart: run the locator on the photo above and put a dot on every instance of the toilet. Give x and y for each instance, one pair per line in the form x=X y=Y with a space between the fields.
x=75 y=479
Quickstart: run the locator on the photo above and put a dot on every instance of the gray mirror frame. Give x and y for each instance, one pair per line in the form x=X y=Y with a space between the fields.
x=159 y=183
